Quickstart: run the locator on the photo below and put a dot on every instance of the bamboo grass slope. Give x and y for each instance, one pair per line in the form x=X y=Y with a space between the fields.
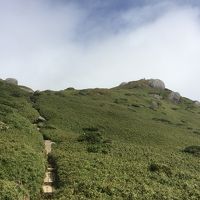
x=115 y=144
x=22 y=163
x=128 y=142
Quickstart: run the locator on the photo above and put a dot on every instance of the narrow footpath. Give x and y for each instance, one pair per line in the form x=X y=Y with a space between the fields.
x=49 y=179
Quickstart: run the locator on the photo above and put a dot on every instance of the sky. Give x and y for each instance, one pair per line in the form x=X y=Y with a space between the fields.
x=48 y=44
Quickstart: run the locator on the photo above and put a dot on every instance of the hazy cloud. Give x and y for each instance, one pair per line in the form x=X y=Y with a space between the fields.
x=48 y=45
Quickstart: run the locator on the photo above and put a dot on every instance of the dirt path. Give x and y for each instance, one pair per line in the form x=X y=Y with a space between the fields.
x=47 y=144
x=47 y=187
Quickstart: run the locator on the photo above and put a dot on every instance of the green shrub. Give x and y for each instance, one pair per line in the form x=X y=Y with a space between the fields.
x=91 y=137
x=70 y=88
x=196 y=132
x=135 y=105
x=174 y=108
x=93 y=148
x=195 y=150
x=50 y=126
x=121 y=101
x=60 y=94
x=83 y=92
x=82 y=188
x=160 y=168
x=108 y=190
x=9 y=190
x=93 y=129
x=16 y=93
x=95 y=141
x=107 y=141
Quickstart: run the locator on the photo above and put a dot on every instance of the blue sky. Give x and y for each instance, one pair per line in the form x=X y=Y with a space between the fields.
x=106 y=17
x=49 y=44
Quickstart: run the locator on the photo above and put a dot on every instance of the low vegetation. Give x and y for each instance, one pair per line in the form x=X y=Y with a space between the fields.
x=195 y=150
x=95 y=141
x=110 y=144
x=21 y=146
x=127 y=143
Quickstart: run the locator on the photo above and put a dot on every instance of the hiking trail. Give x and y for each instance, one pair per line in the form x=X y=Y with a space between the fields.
x=49 y=179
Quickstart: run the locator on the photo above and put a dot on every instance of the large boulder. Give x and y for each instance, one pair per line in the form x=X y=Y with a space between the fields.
x=123 y=83
x=154 y=105
x=156 y=96
x=174 y=97
x=12 y=81
x=26 y=89
x=197 y=103
x=156 y=83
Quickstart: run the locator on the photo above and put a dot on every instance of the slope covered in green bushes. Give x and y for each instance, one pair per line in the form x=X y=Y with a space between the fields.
x=22 y=162
x=128 y=142
x=122 y=143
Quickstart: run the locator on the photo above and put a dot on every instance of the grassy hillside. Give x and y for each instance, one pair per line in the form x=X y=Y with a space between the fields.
x=22 y=162
x=122 y=143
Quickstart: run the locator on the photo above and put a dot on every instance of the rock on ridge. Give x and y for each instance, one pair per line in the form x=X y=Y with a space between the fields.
x=156 y=83
x=26 y=89
x=12 y=81
x=123 y=83
x=197 y=103
x=174 y=97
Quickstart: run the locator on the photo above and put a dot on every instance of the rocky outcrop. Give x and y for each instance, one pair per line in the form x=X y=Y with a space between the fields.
x=197 y=103
x=156 y=96
x=123 y=83
x=26 y=89
x=41 y=119
x=174 y=97
x=12 y=81
x=154 y=105
x=156 y=83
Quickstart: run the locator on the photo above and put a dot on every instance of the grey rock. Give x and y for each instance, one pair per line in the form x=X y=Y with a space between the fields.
x=41 y=119
x=12 y=81
x=157 y=83
x=174 y=97
x=154 y=105
x=156 y=96
x=26 y=89
x=197 y=103
x=41 y=125
x=123 y=83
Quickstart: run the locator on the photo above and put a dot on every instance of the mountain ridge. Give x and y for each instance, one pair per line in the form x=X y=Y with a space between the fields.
x=127 y=142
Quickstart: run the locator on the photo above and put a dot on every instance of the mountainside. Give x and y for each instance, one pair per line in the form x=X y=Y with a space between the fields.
x=135 y=141
x=22 y=163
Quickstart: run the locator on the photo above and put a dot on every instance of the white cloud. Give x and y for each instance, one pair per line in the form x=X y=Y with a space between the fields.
x=41 y=51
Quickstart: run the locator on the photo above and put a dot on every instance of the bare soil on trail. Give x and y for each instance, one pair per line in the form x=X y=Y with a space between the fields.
x=48 y=144
x=49 y=174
